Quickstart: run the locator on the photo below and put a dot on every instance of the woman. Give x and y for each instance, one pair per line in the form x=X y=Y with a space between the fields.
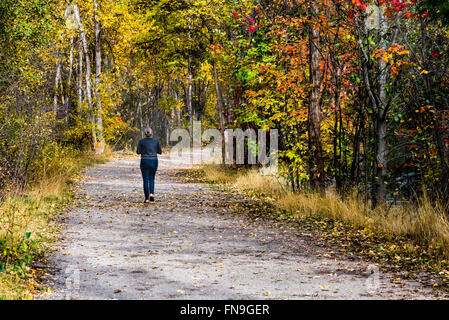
x=148 y=148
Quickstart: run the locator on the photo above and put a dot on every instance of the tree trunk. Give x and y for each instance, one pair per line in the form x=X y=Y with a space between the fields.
x=220 y=105
x=57 y=81
x=80 y=75
x=189 y=102
x=68 y=99
x=316 y=164
x=379 y=186
x=189 y=90
x=139 y=113
x=88 y=74
x=100 y=143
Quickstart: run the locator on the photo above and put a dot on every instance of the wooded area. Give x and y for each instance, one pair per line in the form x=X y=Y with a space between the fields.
x=357 y=89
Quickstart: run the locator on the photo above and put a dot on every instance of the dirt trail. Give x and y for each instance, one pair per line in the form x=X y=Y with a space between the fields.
x=185 y=247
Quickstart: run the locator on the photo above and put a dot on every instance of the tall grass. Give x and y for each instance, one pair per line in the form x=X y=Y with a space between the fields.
x=423 y=222
x=26 y=226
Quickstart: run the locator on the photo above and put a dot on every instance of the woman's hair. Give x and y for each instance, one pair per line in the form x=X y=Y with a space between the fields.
x=148 y=132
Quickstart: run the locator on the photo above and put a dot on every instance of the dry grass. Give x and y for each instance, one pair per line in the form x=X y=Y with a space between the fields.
x=423 y=223
x=29 y=213
x=253 y=180
x=220 y=174
x=12 y=287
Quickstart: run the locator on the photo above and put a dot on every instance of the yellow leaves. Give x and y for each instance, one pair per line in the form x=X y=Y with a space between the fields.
x=366 y=230
x=278 y=116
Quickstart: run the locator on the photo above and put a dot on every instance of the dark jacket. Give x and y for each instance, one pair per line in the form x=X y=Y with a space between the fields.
x=149 y=148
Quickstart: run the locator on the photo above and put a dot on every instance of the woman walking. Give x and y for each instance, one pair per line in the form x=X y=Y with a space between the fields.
x=148 y=148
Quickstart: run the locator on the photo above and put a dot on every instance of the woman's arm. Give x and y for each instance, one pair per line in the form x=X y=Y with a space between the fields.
x=139 y=149
x=159 y=150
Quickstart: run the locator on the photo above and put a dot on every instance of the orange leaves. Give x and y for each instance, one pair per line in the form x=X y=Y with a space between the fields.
x=388 y=55
x=391 y=55
x=427 y=108
x=359 y=4
x=300 y=114
x=398 y=49
x=289 y=49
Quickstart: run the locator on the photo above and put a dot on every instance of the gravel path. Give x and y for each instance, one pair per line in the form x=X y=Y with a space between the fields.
x=184 y=247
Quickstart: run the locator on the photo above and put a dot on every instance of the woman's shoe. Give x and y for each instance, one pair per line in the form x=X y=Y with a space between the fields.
x=152 y=198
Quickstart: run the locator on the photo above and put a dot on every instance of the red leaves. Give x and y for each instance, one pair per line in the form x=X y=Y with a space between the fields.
x=435 y=53
x=350 y=15
x=398 y=6
x=262 y=69
x=249 y=21
x=360 y=4
x=253 y=28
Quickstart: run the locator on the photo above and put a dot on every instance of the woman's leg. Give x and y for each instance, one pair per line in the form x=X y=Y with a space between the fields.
x=153 y=169
x=152 y=184
x=146 y=181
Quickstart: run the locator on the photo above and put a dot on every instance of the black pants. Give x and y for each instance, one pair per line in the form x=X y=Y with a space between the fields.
x=148 y=168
